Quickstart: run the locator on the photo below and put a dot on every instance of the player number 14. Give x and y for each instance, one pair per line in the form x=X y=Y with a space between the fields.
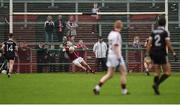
x=10 y=48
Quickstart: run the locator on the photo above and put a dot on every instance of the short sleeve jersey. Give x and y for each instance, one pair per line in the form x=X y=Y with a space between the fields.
x=159 y=37
x=73 y=55
x=114 y=38
x=9 y=47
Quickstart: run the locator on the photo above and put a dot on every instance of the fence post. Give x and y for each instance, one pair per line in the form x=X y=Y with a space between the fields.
x=2 y=3
x=126 y=55
x=100 y=29
x=25 y=16
x=179 y=14
x=76 y=10
x=31 y=60
x=18 y=65
x=142 y=60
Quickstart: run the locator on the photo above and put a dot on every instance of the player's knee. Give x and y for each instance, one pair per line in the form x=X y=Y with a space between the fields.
x=110 y=75
x=83 y=68
x=123 y=72
x=157 y=74
x=168 y=73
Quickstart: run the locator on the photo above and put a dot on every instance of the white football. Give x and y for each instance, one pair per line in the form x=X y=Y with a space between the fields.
x=71 y=49
x=4 y=72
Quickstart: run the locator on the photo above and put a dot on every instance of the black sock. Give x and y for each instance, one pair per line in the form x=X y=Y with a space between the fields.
x=156 y=79
x=123 y=86
x=163 y=78
x=100 y=84
x=7 y=72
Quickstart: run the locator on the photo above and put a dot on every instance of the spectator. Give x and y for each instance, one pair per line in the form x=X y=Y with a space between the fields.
x=41 y=57
x=59 y=28
x=95 y=9
x=63 y=58
x=136 y=42
x=71 y=27
x=137 y=53
x=100 y=49
x=49 y=27
x=24 y=53
x=52 y=59
x=82 y=49
x=45 y=55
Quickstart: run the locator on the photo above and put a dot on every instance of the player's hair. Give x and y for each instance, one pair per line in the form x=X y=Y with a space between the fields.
x=118 y=24
x=100 y=37
x=10 y=35
x=162 y=21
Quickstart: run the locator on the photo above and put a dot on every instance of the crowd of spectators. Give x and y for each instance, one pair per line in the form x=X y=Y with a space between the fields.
x=61 y=30
x=62 y=27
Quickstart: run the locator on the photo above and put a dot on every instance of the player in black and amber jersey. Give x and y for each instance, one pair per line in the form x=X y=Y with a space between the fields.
x=9 y=48
x=158 y=41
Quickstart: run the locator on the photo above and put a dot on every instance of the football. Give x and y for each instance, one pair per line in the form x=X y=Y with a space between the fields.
x=4 y=72
x=71 y=49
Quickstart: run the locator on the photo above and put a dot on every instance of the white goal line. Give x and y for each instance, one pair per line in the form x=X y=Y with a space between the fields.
x=82 y=13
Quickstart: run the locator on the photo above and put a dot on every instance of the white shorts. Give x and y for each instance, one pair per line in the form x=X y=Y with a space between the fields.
x=112 y=61
x=77 y=60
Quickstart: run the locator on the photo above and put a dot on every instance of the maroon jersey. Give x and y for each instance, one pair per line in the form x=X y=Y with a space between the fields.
x=73 y=55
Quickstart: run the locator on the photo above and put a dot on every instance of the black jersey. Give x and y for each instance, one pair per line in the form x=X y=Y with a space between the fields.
x=9 y=47
x=159 y=37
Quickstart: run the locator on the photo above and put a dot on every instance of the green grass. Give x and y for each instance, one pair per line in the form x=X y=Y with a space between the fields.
x=77 y=88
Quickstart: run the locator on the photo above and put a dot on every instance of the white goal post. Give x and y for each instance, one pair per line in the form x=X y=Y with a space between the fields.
x=81 y=13
x=11 y=13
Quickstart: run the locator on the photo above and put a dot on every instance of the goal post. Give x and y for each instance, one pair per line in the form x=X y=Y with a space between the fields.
x=166 y=14
x=11 y=13
x=138 y=22
x=11 y=16
x=84 y=13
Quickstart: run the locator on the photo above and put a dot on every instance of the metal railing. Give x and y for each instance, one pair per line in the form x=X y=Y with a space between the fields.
x=133 y=57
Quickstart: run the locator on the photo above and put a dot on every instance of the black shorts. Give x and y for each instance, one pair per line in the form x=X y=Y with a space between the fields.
x=9 y=56
x=159 y=58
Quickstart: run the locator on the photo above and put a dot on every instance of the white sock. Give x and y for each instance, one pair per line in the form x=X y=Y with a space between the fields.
x=124 y=91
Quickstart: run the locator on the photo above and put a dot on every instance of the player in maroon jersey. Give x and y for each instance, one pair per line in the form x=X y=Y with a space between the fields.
x=76 y=60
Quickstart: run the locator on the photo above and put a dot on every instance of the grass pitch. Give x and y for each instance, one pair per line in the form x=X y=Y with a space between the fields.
x=77 y=88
